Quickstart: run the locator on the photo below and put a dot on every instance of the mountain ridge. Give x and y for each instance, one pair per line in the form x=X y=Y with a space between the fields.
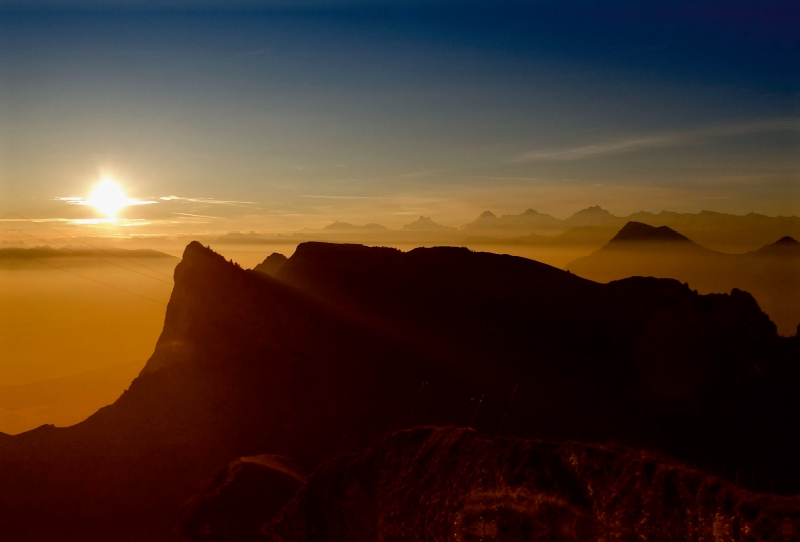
x=349 y=343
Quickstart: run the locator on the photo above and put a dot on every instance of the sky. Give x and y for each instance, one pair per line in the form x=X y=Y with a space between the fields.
x=275 y=116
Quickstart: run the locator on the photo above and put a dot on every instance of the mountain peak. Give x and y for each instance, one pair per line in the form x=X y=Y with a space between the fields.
x=594 y=210
x=787 y=241
x=424 y=223
x=487 y=214
x=346 y=226
x=271 y=264
x=785 y=246
x=636 y=231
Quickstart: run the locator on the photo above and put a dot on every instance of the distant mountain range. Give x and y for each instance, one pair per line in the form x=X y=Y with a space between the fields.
x=589 y=228
x=346 y=344
x=719 y=230
x=771 y=273
x=13 y=257
x=426 y=224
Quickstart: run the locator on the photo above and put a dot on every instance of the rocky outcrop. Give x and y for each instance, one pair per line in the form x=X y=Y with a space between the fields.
x=443 y=485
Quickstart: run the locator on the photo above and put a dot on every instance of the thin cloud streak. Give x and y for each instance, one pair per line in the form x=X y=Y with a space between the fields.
x=678 y=139
x=340 y=197
x=208 y=200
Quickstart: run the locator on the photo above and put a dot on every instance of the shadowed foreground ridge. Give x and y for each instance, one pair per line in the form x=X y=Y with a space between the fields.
x=440 y=485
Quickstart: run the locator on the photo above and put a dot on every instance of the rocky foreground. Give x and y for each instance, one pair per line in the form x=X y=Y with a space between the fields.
x=450 y=484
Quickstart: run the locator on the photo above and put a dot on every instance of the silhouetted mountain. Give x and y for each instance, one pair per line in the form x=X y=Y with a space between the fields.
x=718 y=230
x=783 y=247
x=771 y=274
x=451 y=484
x=272 y=264
x=579 y=236
x=511 y=225
x=638 y=232
x=593 y=216
x=426 y=224
x=345 y=226
x=352 y=343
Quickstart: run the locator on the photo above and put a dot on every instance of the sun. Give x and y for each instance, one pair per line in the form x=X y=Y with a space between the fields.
x=108 y=198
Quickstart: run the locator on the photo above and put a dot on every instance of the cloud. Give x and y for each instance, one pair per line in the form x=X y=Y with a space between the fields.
x=208 y=200
x=676 y=139
x=73 y=200
x=339 y=197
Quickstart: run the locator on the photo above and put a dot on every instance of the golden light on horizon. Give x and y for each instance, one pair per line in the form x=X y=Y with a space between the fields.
x=108 y=198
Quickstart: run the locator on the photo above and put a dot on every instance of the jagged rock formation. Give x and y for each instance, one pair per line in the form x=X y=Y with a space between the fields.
x=350 y=343
x=440 y=485
x=272 y=264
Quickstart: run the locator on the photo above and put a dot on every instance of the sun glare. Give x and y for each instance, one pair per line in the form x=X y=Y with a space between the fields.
x=108 y=198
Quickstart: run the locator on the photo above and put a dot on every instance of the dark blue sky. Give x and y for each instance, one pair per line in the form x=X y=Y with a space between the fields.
x=385 y=110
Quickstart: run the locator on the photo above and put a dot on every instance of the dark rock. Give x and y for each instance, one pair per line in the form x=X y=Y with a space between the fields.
x=244 y=496
x=450 y=484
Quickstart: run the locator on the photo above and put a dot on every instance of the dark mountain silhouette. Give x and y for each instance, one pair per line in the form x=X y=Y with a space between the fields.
x=638 y=232
x=785 y=246
x=272 y=264
x=771 y=274
x=426 y=224
x=451 y=484
x=351 y=343
x=346 y=226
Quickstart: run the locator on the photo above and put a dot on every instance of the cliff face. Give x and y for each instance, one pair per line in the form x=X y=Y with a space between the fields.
x=451 y=484
x=351 y=343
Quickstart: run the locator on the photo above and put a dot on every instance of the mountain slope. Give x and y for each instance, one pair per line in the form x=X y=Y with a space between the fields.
x=353 y=342
x=771 y=274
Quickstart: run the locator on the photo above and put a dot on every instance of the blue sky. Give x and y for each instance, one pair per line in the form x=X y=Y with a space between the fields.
x=381 y=111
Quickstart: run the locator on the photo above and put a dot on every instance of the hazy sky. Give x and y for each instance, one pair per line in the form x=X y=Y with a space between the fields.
x=261 y=116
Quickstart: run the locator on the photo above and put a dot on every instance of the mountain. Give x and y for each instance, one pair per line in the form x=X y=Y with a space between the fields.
x=721 y=231
x=488 y=224
x=426 y=224
x=593 y=216
x=272 y=264
x=771 y=274
x=475 y=488
x=636 y=232
x=783 y=247
x=345 y=226
x=579 y=236
x=350 y=343
x=23 y=257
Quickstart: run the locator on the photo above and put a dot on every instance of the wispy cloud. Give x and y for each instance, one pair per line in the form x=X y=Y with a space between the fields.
x=73 y=200
x=195 y=216
x=208 y=200
x=339 y=197
x=674 y=139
